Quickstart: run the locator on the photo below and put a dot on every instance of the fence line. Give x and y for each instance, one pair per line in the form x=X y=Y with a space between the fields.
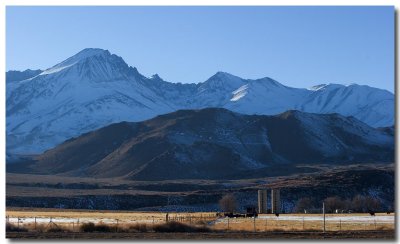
x=302 y=224
x=231 y=224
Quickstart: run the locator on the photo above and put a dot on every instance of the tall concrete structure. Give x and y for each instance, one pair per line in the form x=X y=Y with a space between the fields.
x=262 y=201
x=275 y=201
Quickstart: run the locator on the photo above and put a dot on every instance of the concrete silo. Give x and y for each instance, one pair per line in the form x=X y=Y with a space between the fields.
x=275 y=201
x=262 y=201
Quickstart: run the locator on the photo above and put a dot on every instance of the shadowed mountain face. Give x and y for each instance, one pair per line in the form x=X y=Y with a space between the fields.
x=95 y=88
x=14 y=75
x=214 y=144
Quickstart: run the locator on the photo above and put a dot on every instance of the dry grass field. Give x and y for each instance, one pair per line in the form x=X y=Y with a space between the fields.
x=309 y=222
x=38 y=220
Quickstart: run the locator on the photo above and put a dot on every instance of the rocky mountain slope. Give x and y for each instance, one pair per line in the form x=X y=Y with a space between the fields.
x=214 y=143
x=14 y=75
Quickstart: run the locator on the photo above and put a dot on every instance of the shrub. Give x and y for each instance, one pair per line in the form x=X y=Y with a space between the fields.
x=303 y=204
x=333 y=203
x=56 y=229
x=103 y=228
x=12 y=227
x=91 y=227
x=179 y=227
x=138 y=227
x=228 y=203
x=200 y=222
x=87 y=227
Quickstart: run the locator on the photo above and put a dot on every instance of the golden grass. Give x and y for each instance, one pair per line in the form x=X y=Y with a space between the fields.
x=131 y=220
x=260 y=225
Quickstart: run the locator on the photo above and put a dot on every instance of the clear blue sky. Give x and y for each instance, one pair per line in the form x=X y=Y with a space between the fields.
x=297 y=46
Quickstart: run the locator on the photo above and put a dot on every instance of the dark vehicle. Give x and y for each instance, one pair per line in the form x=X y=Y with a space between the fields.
x=251 y=212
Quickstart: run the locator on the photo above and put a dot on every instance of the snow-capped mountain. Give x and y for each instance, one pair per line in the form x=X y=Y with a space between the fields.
x=83 y=93
x=95 y=88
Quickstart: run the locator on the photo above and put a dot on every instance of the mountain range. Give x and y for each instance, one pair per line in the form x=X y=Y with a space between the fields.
x=95 y=88
x=213 y=143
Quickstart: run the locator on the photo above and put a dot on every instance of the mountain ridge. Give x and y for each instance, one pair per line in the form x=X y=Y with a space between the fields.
x=214 y=143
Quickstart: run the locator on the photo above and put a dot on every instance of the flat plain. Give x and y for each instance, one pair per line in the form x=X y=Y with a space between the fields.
x=309 y=226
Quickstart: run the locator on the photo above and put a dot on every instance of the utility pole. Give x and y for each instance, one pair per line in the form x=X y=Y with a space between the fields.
x=323 y=211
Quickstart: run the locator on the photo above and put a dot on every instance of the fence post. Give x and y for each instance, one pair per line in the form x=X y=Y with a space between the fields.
x=323 y=211
x=254 y=224
x=340 y=225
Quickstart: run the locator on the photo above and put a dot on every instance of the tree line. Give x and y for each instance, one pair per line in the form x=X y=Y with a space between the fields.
x=335 y=204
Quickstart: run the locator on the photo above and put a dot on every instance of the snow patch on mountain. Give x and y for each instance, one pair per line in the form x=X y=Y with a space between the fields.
x=239 y=93
x=55 y=69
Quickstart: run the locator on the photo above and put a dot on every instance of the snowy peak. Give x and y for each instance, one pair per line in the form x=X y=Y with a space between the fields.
x=88 y=52
x=222 y=80
x=93 y=64
x=84 y=54
x=268 y=81
x=366 y=103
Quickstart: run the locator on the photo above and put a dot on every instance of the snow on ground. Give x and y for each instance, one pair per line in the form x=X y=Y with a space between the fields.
x=44 y=220
x=346 y=218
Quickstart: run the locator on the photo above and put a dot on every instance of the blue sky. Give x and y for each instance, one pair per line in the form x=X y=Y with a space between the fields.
x=297 y=46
